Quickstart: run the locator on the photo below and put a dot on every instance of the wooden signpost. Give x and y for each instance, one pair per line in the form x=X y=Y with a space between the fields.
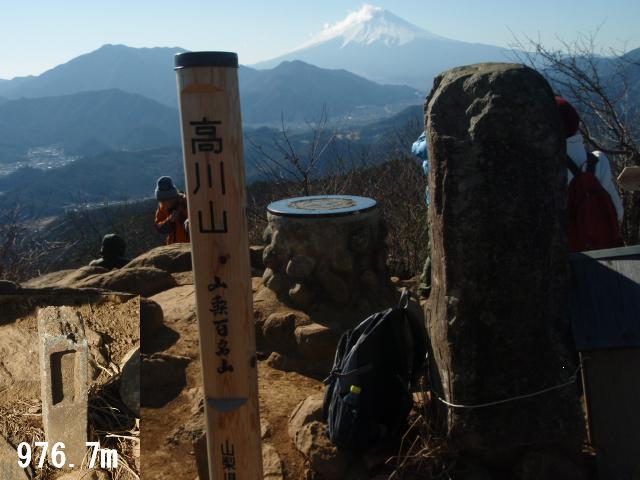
x=215 y=184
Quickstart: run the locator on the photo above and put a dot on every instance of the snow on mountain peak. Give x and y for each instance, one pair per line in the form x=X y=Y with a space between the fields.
x=368 y=25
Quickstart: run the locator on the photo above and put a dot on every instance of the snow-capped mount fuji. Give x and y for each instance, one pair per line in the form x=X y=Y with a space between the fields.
x=370 y=25
x=377 y=44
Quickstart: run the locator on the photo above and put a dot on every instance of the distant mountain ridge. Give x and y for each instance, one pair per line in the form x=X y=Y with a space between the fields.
x=145 y=71
x=297 y=89
x=134 y=102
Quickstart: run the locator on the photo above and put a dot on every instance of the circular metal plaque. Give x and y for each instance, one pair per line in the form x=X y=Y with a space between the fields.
x=321 y=206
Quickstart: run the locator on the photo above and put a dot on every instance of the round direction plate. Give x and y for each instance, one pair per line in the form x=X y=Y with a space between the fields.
x=321 y=206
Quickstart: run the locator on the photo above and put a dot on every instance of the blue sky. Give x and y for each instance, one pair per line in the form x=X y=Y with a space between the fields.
x=36 y=35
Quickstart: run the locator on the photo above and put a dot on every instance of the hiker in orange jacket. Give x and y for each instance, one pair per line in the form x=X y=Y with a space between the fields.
x=172 y=212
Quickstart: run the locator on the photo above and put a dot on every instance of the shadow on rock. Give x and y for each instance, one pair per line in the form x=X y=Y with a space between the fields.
x=162 y=379
x=162 y=339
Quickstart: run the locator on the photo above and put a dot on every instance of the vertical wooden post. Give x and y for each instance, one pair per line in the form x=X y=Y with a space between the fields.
x=215 y=184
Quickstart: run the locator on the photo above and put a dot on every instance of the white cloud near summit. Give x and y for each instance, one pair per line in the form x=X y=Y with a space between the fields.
x=368 y=25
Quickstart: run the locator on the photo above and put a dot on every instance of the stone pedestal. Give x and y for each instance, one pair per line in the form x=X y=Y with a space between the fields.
x=498 y=314
x=326 y=250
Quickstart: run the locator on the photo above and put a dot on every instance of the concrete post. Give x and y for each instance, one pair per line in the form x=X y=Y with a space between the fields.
x=64 y=380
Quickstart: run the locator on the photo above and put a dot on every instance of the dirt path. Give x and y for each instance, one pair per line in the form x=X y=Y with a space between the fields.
x=169 y=430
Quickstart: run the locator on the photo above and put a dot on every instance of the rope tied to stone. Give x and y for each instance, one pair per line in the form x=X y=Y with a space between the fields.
x=572 y=379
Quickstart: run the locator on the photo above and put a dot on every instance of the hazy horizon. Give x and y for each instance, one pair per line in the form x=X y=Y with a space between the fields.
x=48 y=36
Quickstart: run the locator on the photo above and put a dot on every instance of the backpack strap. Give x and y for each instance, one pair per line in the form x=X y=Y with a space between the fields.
x=573 y=167
x=592 y=160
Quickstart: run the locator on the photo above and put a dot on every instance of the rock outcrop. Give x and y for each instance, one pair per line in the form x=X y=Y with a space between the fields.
x=144 y=281
x=498 y=311
x=170 y=258
x=309 y=434
x=304 y=342
x=155 y=271
x=65 y=278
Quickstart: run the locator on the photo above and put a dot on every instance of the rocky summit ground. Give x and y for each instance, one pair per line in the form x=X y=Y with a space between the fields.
x=294 y=350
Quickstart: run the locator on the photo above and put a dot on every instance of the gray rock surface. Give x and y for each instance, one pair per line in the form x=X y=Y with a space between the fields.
x=64 y=383
x=143 y=281
x=64 y=278
x=278 y=329
x=317 y=342
x=498 y=310
x=170 y=258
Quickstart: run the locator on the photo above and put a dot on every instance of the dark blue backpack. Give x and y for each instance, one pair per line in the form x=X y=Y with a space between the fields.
x=368 y=395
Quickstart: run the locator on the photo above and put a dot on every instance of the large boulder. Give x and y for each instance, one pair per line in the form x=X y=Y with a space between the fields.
x=170 y=258
x=162 y=378
x=279 y=330
x=64 y=278
x=307 y=411
x=285 y=363
x=498 y=309
x=178 y=304
x=143 y=281
x=317 y=342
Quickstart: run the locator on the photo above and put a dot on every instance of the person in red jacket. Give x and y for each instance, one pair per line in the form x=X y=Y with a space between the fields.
x=594 y=206
x=172 y=213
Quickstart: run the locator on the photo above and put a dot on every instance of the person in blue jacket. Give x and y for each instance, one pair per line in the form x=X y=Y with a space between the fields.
x=419 y=150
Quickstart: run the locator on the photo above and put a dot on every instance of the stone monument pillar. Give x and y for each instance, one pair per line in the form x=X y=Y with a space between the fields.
x=498 y=314
x=64 y=380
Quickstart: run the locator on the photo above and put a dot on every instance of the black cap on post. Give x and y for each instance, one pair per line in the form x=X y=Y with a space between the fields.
x=206 y=59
